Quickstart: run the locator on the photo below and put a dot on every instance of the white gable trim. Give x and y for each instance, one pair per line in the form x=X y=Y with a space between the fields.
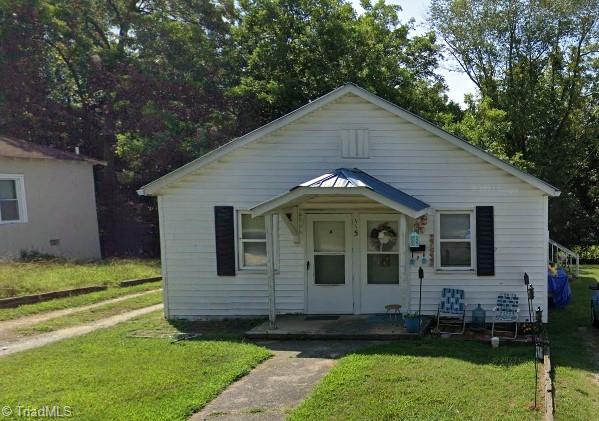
x=460 y=143
x=155 y=186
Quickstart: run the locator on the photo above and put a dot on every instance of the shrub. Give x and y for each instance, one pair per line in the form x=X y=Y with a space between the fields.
x=588 y=254
x=33 y=256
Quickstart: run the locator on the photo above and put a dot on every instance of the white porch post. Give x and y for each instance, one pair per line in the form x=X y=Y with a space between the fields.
x=270 y=270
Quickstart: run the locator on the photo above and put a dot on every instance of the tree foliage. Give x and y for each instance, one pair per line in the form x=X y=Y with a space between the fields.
x=147 y=85
x=535 y=62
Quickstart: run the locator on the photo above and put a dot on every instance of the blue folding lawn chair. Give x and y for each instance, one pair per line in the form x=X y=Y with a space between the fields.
x=452 y=310
x=507 y=311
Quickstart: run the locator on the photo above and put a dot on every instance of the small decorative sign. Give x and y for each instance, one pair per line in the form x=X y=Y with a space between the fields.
x=414 y=239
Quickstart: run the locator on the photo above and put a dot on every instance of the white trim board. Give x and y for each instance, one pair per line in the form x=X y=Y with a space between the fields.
x=154 y=188
x=300 y=194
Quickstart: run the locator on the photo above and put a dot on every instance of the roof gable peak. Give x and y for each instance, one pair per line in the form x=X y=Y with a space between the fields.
x=154 y=187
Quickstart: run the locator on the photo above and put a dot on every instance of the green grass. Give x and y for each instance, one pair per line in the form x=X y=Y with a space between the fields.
x=76 y=301
x=112 y=375
x=22 y=278
x=94 y=314
x=424 y=380
x=454 y=379
x=577 y=392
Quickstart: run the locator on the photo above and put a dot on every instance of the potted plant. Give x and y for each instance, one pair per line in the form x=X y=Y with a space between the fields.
x=412 y=322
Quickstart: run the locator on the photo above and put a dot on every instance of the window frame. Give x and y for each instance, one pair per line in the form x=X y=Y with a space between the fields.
x=400 y=246
x=19 y=180
x=439 y=240
x=240 y=241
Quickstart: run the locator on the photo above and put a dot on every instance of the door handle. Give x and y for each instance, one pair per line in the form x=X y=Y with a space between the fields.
x=308 y=265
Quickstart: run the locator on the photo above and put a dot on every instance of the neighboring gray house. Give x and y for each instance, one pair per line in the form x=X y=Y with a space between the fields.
x=317 y=211
x=47 y=201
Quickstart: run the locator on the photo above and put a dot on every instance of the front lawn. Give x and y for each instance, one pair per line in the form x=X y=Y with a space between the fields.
x=97 y=313
x=113 y=375
x=74 y=301
x=575 y=353
x=23 y=278
x=427 y=379
x=454 y=379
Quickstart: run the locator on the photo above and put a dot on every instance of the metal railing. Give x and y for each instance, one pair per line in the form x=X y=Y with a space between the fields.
x=563 y=256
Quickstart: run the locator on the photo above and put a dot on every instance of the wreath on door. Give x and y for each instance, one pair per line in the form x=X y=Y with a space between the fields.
x=383 y=237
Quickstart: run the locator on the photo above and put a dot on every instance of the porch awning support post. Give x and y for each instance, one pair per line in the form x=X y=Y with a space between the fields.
x=270 y=270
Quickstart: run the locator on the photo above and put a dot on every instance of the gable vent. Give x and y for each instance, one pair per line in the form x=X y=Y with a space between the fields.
x=354 y=143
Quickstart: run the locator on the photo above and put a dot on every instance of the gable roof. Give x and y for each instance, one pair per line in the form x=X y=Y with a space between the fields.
x=350 y=182
x=350 y=178
x=11 y=147
x=155 y=186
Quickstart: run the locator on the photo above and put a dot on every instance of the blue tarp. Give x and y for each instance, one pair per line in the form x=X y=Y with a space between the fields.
x=559 y=287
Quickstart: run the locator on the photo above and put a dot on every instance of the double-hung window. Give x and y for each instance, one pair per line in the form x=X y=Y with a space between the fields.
x=252 y=241
x=455 y=244
x=12 y=199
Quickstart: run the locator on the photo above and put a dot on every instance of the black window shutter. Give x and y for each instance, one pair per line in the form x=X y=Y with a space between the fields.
x=485 y=241
x=224 y=229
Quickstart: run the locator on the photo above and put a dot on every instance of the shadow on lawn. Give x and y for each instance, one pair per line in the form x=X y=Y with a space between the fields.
x=454 y=348
x=570 y=330
x=566 y=328
x=231 y=330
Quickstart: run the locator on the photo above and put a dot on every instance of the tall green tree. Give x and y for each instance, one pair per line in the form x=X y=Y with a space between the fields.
x=139 y=84
x=147 y=85
x=293 y=51
x=536 y=62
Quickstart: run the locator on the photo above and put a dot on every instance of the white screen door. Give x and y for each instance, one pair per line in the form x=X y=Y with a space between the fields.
x=329 y=264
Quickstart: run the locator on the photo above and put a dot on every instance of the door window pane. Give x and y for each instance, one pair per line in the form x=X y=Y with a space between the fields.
x=254 y=254
x=383 y=268
x=8 y=189
x=252 y=228
x=382 y=235
x=329 y=270
x=329 y=236
x=455 y=254
x=9 y=210
x=455 y=226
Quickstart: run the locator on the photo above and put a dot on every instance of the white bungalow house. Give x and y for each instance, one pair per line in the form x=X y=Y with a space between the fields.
x=315 y=213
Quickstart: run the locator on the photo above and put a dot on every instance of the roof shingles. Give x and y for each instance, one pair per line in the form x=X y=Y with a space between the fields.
x=17 y=148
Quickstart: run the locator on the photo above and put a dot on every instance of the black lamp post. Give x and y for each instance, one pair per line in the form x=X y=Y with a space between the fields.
x=421 y=276
x=530 y=292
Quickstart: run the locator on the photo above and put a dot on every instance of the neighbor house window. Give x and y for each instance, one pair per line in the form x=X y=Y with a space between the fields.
x=12 y=199
x=454 y=243
x=252 y=241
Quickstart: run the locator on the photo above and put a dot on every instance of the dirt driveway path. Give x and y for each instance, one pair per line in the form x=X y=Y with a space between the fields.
x=10 y=347
x=8 y=325
x=279 y=384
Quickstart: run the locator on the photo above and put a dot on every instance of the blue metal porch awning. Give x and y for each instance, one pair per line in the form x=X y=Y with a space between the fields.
x=345 y=181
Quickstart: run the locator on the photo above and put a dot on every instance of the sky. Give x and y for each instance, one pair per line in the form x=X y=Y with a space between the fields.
x=458 y=83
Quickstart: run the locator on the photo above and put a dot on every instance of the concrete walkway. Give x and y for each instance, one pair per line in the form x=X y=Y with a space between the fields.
x=7 y=348
x=279 y=384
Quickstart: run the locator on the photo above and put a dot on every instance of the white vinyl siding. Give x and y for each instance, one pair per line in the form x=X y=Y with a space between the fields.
x=401 y=154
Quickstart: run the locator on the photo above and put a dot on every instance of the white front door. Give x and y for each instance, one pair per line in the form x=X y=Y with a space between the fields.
x=383 y=262
x=329 y=264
